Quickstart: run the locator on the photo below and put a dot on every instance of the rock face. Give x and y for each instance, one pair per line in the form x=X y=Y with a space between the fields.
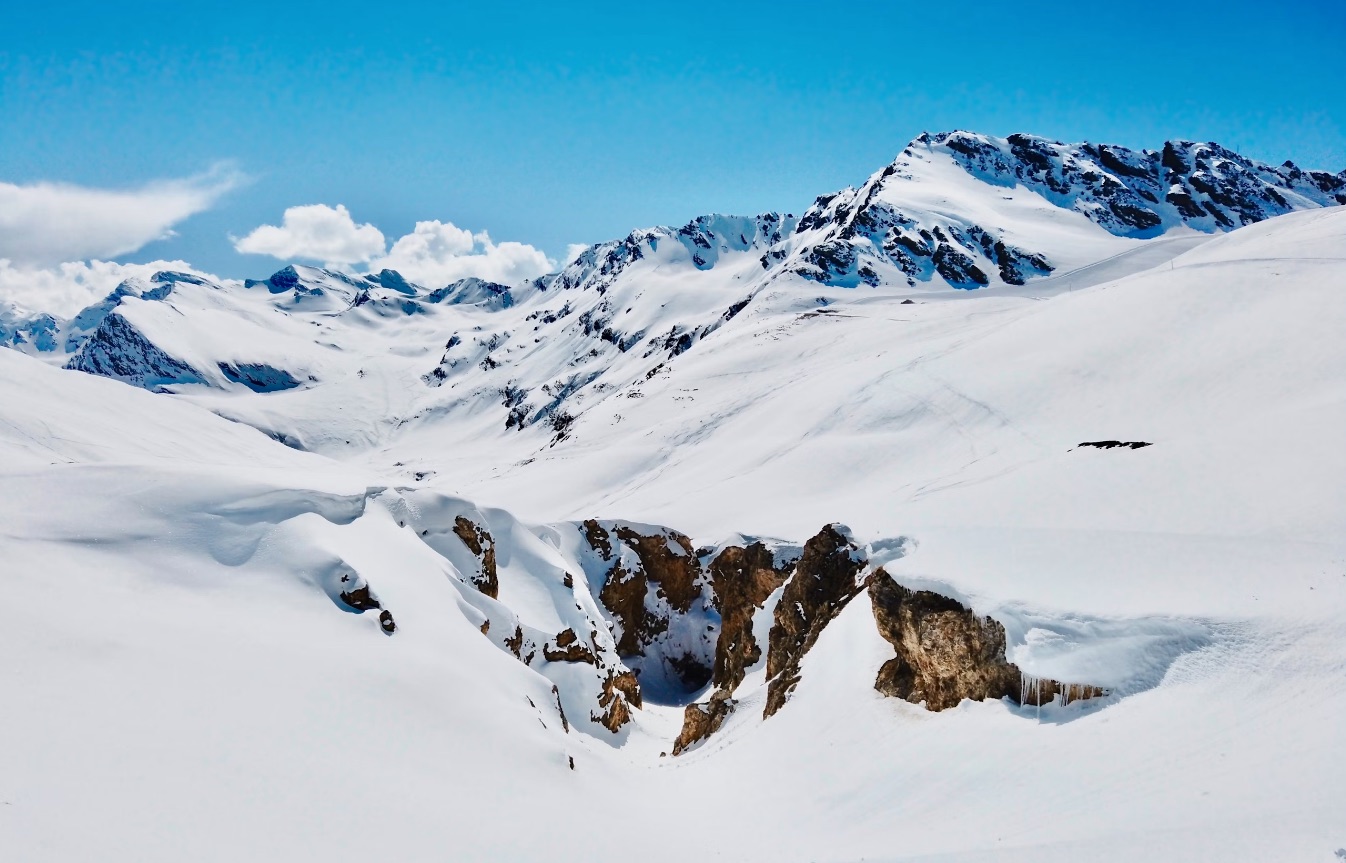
x=699 y=721
x=882 y=233
x=660 y=604
x=946 y=653
x=742 y=579
x=118 y=350
x=823 y=582
x=620 y=693
x=568 y=648
x=478 y=541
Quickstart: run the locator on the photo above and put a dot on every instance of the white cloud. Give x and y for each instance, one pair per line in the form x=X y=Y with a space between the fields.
x=44 y=224
x=434 y=254
x=66 y=288
x=437 y=253
x=315 y=232
x=573 y=251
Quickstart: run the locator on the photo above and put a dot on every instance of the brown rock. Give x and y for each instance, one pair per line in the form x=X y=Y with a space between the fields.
x=479 y=541
x=598 y=538
x=623 y=595
x=568 y=648
x=620 y=692
x=677 y=572
x=1041 y=690
x=742 y=579
x=361 y=599
x=946 y=653
x=666 y=566
x=699 y=721
x=822 y=585
x=515 y=642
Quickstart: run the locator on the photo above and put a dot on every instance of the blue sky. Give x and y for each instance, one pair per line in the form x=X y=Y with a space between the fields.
x=552 y=126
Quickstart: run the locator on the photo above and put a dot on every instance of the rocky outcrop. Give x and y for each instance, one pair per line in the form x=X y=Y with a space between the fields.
x=357 y=596
x=478 y=541
x=620 y=692
x=823 y=582
x=120 y=351
x=360 y=598
x=659 y=601
x=567 y=647
x=742 y=578
x=946 y=652
x=699 y=721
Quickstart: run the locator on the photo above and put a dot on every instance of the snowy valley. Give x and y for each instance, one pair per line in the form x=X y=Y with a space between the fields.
x=994 y=509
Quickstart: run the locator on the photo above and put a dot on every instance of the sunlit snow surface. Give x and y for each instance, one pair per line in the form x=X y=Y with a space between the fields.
x=179 y=684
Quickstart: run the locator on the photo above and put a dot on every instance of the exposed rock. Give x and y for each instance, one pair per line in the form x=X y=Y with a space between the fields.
x=515 y=642
x=565 y=723
x=699 y=721
x=568 y=648
x=118 y=350
x=258 y=377
x=742 y=579
x=1040 y=690
x=657 y=596
x=1110 y=444
x=823 y=582
x=598 y=538
x=946 y=653
x=677 y=572
x=623 y=595
x=386 y=622
x=361 y=598
x=478 y=540
x=620 y=692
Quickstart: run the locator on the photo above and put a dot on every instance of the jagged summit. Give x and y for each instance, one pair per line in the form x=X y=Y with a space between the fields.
x=701 y=242
x=972 y=209
x=954 y=210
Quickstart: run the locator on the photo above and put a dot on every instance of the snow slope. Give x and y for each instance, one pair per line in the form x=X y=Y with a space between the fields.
x=184 y=679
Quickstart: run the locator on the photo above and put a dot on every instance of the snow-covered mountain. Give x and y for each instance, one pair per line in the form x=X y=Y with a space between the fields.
x=770 y=523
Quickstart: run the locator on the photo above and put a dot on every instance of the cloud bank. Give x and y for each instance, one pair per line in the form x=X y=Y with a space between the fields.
x=434 y=254
x=66 y=288
x=437 y=253
x=47 y=224
x=316 y=232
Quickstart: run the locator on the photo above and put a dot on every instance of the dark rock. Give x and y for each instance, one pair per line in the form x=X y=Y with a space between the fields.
x=620 y=692
x=259 y=377
x=567 y=647
x=823 y=583
x=478 y=541
x=118 y=350
x=361 y=599
x=742 y=579
x=1111 y=444
x=699 y=721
